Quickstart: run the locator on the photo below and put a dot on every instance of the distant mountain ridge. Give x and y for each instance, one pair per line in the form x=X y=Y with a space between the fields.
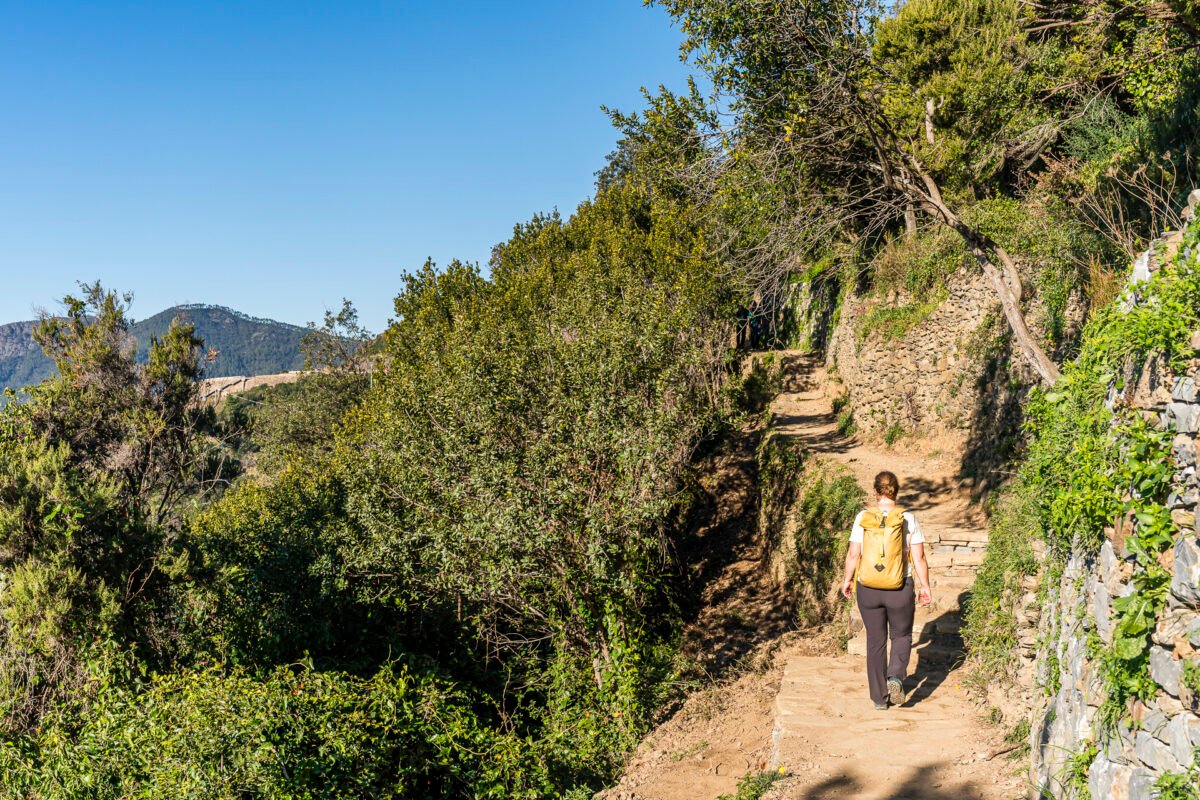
x=245 y=345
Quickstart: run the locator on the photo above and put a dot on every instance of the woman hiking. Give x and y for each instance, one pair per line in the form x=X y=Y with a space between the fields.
x=886 y=547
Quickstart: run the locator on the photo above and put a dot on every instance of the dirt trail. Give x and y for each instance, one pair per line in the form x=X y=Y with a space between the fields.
x=803 y=706
x=827 y=733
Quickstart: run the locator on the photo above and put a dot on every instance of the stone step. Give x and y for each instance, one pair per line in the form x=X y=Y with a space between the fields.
x=947 y=595
x=952 y=560
x=974 y=536
x=952 y=579
x=943 y=633
x=948 y=625
x=928 y=650
x=948 y=647
x=963 y=578
x=943 y=547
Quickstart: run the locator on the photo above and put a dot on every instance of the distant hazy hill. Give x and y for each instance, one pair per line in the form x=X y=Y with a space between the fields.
x=247 y=345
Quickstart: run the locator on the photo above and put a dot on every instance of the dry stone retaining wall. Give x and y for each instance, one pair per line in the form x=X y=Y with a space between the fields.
x=949 y=372
x=213 y=389
x=1169 y=729
x=1165 y=732
x=928 y=379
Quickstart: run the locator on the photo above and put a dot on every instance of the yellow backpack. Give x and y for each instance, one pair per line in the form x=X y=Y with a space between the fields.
x=884 y=561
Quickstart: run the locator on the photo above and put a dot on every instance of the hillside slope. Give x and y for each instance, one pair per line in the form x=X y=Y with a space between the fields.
x=244 y=345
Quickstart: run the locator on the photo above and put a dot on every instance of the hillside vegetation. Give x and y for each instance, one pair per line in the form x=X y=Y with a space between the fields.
x=462 y=576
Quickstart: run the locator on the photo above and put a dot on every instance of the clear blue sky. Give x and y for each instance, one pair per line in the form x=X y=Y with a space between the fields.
x=277 y=156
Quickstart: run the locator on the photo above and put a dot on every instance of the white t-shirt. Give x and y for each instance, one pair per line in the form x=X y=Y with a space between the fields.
x=911 y=525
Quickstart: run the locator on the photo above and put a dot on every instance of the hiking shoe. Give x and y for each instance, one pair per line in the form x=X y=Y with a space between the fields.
x=881 y=706
x=895 y=691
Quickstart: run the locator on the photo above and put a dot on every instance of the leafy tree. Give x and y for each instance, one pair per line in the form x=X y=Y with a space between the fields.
x=497 y=503
x=865 y=121
x=302 y=419
x=520 y=446
x=138 y=423
x=810 y=97
x=97 y=472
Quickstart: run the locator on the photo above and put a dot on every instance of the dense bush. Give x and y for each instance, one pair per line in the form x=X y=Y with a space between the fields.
x=497 y=502
x=295 y=733
x=806 y=507
x=829 y=499
x=487 y=493
x=519 y=454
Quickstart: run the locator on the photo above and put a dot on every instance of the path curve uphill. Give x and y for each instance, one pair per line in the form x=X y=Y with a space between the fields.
x=828 y=737
x=808 y=717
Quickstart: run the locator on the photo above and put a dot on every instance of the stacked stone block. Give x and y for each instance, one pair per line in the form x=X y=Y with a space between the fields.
x=934 y=378
x=1162 y=735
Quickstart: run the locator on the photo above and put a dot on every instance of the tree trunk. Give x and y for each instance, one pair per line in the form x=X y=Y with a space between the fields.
x=910 y=220
x=1046 y=368
x=1004 y=277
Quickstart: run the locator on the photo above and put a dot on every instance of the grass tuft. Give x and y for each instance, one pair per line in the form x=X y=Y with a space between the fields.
x=845 y=423
x=754 y=785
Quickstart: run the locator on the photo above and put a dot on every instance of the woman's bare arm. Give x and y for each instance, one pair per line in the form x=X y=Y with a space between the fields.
x=921 y=567
x=852 y=556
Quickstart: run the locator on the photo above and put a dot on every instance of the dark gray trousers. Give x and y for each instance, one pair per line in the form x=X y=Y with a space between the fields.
x=887 y=614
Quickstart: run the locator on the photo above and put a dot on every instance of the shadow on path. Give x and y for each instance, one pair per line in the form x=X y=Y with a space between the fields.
x=806 y=427
x=924 y=783
x=922 y=494
x=938 y=654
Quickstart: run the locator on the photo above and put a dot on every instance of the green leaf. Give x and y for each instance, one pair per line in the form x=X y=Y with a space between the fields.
x=1129 y=649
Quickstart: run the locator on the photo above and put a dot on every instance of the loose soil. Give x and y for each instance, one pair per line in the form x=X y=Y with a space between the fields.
x=795 y=702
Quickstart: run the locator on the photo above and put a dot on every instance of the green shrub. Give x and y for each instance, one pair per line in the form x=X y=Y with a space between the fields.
x=1075 y=773
x=1018 y=735
x=990 y=629
x=1085 y=467
x=265 y=573
x=845 y=423
x=1045 y=234
x=754 y=785
x=294 y=733
x=1191 y=676
x=829 y=499
x=893 y=433
x=758 y=386
x=1179 y=785
x=494 y=501
x=894 y=322
x=922 y=264
x=806 y=509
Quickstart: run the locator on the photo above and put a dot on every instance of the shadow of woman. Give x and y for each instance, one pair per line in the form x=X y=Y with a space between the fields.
x=940 y=651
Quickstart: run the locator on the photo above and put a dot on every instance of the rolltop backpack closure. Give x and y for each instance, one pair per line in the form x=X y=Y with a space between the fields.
x=884 y=561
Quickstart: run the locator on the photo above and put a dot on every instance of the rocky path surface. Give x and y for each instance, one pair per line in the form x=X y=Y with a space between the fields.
x=954 y=528
x=827 y=735
x=802 y=708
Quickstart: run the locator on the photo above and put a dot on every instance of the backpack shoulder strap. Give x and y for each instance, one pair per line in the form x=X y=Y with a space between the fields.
x=904 y=531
